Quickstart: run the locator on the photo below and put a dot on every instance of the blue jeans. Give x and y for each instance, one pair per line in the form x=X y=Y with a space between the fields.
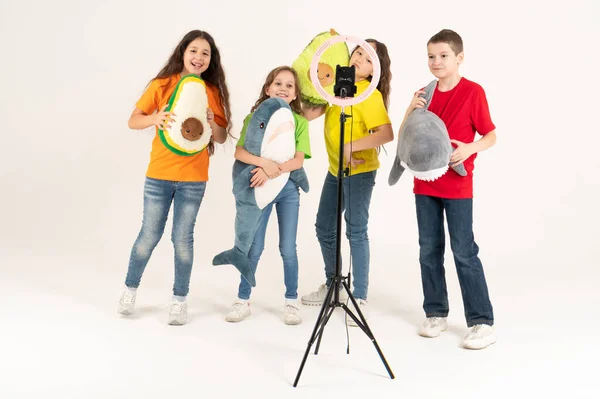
x=158 y=195
x=357 y=190
x=287 y=204
x=430 y=219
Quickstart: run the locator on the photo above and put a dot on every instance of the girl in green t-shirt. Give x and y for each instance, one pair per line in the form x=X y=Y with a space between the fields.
x=281 y=82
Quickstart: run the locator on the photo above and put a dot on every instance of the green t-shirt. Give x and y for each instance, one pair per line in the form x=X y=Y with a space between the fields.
x=302 y=137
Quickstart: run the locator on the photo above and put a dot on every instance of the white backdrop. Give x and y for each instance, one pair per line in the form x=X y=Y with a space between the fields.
x=72 y=178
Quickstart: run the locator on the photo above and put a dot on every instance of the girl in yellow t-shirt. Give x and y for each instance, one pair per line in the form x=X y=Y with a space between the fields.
x=173 y=178
x=368 y=128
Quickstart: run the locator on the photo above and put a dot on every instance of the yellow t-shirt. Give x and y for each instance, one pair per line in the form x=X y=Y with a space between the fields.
x=164 y=164
x=366 y=115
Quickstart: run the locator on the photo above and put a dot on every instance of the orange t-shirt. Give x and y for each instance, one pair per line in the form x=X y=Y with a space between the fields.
x=164 y=164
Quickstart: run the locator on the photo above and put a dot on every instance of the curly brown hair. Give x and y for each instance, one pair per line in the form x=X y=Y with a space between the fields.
x=215 y=75
x=296 y=104
x=384 y=86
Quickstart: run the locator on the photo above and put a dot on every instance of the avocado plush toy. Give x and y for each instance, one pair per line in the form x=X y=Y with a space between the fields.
x=190 y=132
x=336 y=54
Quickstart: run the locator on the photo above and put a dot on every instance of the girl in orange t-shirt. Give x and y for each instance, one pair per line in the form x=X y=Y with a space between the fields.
x=173 y=178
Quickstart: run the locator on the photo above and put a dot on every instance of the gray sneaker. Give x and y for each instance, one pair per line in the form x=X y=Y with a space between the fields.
x=317 y=297
x=178 y=313
x=127 y=302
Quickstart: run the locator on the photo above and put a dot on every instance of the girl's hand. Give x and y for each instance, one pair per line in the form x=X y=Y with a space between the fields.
x=210 y=116
x=461 y=153
x=259 y=178
x=162 y=118
x=349 y=159
x=270 y=168
x=417 y=102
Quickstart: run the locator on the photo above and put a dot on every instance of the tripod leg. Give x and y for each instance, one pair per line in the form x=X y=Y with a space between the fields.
x=326 y=304
x=362 y=323
x=320 y=320
x=322 y=330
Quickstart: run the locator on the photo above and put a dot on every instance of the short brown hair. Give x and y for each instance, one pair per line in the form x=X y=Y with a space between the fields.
x=448 y=36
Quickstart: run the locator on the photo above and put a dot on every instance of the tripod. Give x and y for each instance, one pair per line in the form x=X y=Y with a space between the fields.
x=332 y=299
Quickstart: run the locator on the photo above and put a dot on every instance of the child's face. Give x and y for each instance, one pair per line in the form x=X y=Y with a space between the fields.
x=443 y=62
x=283 y=86
x=196 y=57
x=362 y=63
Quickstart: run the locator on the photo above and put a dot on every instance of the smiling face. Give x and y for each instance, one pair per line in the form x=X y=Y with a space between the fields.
x=196 y=57
x=443 y=63
x=283 y=86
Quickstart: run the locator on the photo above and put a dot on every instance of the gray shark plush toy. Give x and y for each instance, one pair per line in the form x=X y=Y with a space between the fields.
x=270 y=134
x=424 y=145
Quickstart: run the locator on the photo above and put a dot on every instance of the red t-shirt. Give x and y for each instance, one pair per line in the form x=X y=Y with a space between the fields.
x=464 y=110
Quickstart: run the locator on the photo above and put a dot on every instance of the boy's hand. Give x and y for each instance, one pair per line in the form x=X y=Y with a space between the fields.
x=461 y=152
x=259 y=178
x=417 y=102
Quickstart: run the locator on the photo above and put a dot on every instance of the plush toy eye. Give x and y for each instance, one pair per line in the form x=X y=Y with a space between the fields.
x=262 y=125
x=327 y=75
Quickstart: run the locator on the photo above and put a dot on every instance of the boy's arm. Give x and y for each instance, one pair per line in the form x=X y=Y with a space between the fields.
x=417 y=102
x=465 y=150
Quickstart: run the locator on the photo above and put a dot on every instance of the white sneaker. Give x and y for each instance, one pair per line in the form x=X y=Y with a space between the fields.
x=362 y=304
x=480 y=336
x=127 y=301
x=239 y=311
x=317 y=297
x=291 y=315
x=178 y=313
x=433 y=326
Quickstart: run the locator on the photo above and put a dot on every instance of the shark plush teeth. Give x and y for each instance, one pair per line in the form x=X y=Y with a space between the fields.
x=270 y=134
x=424 y=145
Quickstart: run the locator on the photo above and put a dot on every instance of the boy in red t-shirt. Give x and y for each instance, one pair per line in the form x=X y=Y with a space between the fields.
x=463 y=107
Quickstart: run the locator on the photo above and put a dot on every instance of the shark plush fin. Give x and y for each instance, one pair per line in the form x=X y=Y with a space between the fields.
x=241 y=262
x=429 y=90
x=396 y=172
x=299 y=177
x=460 y=169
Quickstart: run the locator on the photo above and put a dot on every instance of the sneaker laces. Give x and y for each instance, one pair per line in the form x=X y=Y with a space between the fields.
x=237 y=306
x=128 y=296
x=291 y=309
x=433 y=321
x=317 y=293
x=177 y=307
x=478 y=330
